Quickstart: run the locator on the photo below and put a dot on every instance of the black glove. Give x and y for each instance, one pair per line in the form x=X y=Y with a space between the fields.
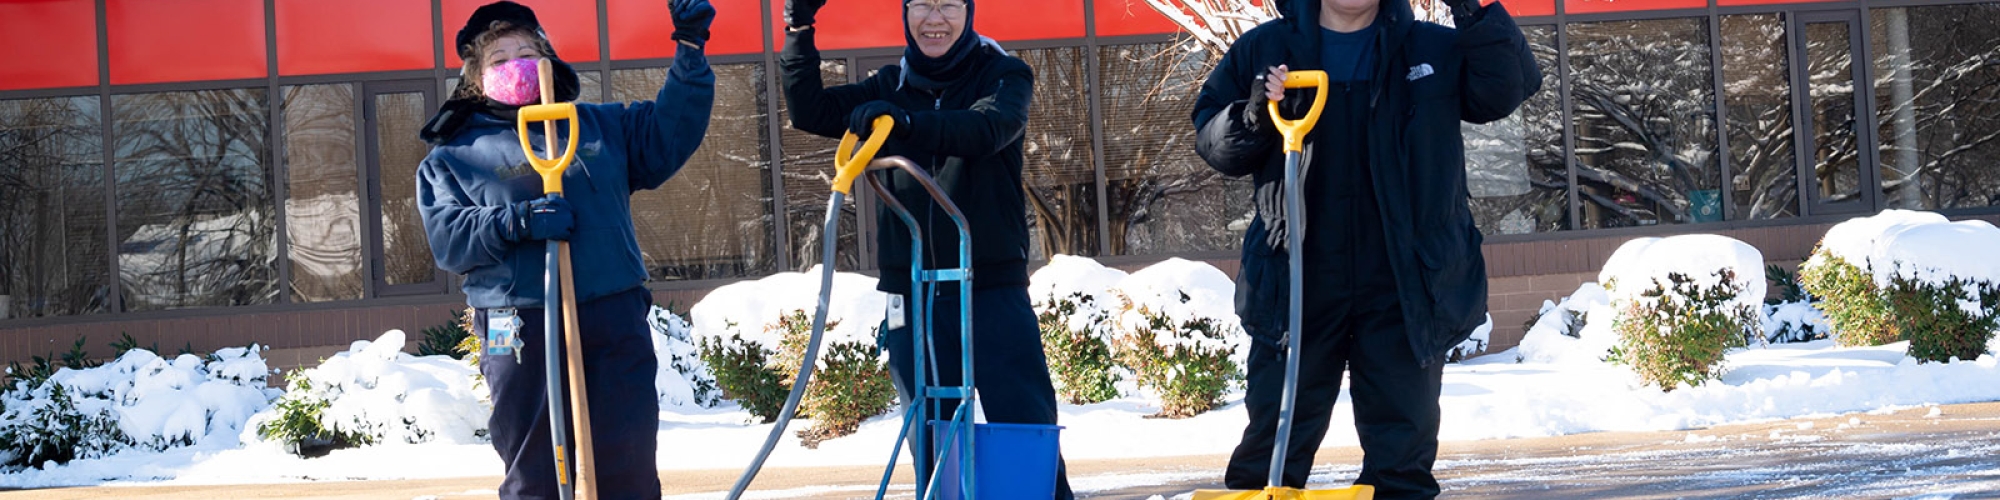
x=545 y=218
x=691 y=20
x=1257 y=111
x=862 y=120
x=799 y=13
x=1464 y=12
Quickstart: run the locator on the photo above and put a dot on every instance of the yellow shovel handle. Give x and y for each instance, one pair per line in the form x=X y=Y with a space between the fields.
x=1295 y=130
x=849 y=164
x=550 y=168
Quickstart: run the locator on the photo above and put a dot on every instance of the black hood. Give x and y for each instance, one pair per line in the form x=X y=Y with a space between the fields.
x=954 y=63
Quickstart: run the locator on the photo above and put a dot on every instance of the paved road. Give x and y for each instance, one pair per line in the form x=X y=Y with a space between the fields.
x=1952 y=453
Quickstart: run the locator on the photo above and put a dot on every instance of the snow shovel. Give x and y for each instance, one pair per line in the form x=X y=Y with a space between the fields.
x=1294 y=132
x=848 y=164
x=956 y=433
x=563 y=322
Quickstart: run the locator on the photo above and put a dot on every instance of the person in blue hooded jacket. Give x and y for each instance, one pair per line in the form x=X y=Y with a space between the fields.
x=487 y=219
x=1392 y=270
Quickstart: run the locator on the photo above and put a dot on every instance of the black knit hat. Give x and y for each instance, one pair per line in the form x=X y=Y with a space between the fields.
x=483 y=19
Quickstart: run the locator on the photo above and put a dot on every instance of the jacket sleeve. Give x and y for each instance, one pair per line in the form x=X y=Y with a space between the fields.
x=1223 y=138
x=815 y=108
x=1500 y=71
x=463 y=235
x=662 y=134
x=997 y=119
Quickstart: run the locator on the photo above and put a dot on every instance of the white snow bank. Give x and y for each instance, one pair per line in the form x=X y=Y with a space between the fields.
x=377 y=389
x=1643 y=263
x=747 y=307
x=1854 y=240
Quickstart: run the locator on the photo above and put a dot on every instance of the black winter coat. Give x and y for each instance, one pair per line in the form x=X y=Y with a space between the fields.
x=1427 y=78
x=967 y=136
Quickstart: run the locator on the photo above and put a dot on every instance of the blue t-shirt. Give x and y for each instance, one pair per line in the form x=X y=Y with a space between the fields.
x=1347 y=56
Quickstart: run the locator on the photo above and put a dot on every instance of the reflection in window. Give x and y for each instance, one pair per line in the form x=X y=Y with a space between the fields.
x=1514 y=167
x=807 y=167
x=52 y=224
x=1836 y=159
x=1644 y=122
x=322 y=210
x=1162 y=198
x=1060 y=180
x=1757 y=93
x=1937 y=96
x=406 y=248
x=196 y=221
x=713 y=218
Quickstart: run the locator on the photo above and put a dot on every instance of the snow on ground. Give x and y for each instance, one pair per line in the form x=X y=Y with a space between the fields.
x=1516 y=393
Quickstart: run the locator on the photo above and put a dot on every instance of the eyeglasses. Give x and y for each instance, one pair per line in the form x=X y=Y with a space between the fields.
x=950 y=10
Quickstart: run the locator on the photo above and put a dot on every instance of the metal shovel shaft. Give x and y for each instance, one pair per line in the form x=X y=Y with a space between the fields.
x=830 y=231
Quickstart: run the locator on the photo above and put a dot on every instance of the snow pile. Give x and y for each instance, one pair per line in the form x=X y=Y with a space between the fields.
x=745 y=308
x=1854 y=240
x=1073 y=278
x=377 y=390
x=1938 y=254
x=139 y=400
x=1794 y=322
x=1186 y=291
x=683 y=378
x=1576 y=330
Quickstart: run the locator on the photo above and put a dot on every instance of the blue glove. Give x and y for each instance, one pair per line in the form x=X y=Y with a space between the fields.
x=691 y=20
x=545 y=218
x=862 y=120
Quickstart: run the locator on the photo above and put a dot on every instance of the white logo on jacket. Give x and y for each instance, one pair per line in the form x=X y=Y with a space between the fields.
x=1420 y=71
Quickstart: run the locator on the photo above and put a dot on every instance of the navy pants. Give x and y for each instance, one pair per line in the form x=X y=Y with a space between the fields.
x=1011 y=374
x=1395 y=401
x=619 y=367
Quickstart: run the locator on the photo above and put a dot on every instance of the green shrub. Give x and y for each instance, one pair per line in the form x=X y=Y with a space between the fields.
x=1854 y=306
x=299 y=423
x=742 y=370
x=1188 y=363
x=1942 y=322
x=44 y=425
x=447 y=339
x=1080 y=362
x=1678 y=332
x=1784 y=286
x=851 y=385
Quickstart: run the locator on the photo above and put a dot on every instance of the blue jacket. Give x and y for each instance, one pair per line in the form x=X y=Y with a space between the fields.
x=467 y=185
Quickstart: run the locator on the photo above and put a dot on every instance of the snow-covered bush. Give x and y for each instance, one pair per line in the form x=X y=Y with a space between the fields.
x=1943 y=286
x=1681 y=302
x=1840 y=273
x=753 y=334
x=1472 y=346
x=1074 y=302
x=1180 y=335
x=684 y=380
x=1563 y=332
x=140 y=400
x=1799 y=321
x=375 y=393
x=1903 y=275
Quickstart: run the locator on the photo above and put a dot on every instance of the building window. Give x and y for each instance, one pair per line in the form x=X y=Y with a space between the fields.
x=1644 y=123
x=399 y=151
x=1161 y=198
x=1515 y=170
x=196 y=219
x=713 y=218
x=807 y=167
x=53 y=258
x=1058 y=175
x=1937 y=98
x=1757 y=92
x=322 y=208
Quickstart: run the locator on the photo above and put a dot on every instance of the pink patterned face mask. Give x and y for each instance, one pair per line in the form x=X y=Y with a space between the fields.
x=514 y=82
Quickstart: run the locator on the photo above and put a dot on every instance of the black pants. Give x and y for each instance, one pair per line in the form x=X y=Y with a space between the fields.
x=619 y=367
x=1395 y=402
x=1011 y=372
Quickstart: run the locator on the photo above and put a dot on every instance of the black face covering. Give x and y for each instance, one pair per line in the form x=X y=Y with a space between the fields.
x=941 y=69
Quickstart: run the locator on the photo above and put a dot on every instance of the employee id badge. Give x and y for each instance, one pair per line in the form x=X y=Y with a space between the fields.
x=502 y=333
x=895 y=313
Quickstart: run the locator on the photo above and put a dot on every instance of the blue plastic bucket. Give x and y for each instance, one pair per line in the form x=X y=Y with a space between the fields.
x=1012 y=461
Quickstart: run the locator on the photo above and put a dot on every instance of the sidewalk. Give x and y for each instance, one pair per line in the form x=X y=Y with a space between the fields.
x=1955 y=453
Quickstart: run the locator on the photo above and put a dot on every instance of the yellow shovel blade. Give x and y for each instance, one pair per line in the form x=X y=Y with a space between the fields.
x=1356 y=492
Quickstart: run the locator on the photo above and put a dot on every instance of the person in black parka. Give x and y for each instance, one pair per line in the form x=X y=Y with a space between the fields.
x=1393 y=273
x=960 y=106
x=487 y=219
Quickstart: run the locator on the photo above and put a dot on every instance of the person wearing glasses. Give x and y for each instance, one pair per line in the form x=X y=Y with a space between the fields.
x=1393 y=276
x=960 y=107
x=487 y=219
